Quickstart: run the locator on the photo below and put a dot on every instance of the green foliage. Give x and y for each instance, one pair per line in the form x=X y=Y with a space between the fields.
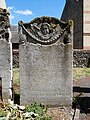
x=36 y=108
x=31 y=112
x=40 y=110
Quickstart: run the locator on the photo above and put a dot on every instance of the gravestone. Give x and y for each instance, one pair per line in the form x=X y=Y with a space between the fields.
x=45 y=54
x=5 y=53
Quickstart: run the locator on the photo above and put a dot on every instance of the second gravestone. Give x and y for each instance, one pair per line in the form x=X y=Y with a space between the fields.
x=46 y=61
x=5 y=54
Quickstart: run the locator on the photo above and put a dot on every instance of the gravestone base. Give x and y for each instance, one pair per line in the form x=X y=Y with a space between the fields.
x=46 y=74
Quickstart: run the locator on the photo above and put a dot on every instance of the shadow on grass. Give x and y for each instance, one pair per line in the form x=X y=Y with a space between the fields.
x=16 y=98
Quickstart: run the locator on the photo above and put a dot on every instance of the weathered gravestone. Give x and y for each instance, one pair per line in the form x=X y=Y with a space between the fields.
x=46 y=61
x=5 y=53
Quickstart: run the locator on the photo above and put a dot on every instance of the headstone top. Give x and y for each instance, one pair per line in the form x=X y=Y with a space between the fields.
x=4 y=24
x=45 y=30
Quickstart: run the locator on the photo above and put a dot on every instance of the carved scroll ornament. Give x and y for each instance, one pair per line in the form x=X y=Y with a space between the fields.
x=44 y=30
x=4 y=23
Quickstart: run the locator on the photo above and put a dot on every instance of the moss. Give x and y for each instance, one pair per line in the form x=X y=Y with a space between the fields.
x=71 y=23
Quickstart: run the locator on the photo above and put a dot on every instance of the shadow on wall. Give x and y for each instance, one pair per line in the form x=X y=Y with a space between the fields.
x=88 y=65
x=17 y=99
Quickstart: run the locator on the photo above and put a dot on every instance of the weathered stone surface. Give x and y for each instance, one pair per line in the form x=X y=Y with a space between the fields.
x=46 y=74
x=4 y=24
x=5 y=53
x=45 y=69
x=5 y=73
x=45 y=31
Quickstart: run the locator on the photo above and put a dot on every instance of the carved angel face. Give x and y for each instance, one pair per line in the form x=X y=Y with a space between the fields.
x=45 y=29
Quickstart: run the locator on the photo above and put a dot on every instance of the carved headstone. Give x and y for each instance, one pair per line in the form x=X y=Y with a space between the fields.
x=5 y=52
x=46 y=61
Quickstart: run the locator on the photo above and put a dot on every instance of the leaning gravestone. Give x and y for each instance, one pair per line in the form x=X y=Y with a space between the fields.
x=5 y=54
x=45 y=61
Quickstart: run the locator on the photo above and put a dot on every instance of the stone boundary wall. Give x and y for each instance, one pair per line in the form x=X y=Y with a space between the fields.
x=81 y=58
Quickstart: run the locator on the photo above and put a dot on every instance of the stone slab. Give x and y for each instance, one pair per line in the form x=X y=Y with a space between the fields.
x=46 y=74
x=5 y=73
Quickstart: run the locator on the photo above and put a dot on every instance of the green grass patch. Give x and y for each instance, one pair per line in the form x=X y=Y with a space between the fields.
x=80 y=72
x=16 y=79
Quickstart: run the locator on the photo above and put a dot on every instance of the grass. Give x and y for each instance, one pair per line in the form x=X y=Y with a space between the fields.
x=16 y=80
x=16 y=85
x=80 y=73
